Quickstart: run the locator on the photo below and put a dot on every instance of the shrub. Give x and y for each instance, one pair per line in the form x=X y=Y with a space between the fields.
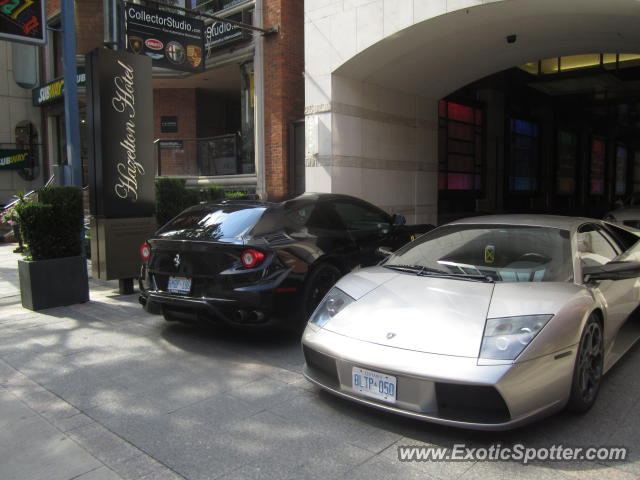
x=36 y=223
x=211 y=194
x=238 y=195
x=173 y=196
x=53 y=228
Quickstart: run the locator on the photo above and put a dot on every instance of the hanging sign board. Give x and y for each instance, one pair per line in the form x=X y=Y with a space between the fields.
x=23 y=21
x=171 y=41
x=219 y=34
x=54 y=90
x=14 y=159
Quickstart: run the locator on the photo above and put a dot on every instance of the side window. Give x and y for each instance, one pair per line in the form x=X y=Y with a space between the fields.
x=301 y=215
x=323 y=216
x=357 y=216
x=624 y=238
x=595 y=246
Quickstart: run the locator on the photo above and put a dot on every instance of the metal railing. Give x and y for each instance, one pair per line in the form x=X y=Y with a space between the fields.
x=204 y=157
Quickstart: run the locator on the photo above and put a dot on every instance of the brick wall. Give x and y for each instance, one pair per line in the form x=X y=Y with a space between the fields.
x=283 y=88
x=181 y=103
x=52 y=7
x=89 y=23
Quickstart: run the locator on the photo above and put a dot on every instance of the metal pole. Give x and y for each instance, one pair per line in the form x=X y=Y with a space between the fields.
x=71 y=91
x=111 y=24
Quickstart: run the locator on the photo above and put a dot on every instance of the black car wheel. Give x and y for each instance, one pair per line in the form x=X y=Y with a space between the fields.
x=320 y=280
x=587 y=373
x=169 y=317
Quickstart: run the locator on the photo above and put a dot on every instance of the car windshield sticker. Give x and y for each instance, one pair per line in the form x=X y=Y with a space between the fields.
x=489 y=254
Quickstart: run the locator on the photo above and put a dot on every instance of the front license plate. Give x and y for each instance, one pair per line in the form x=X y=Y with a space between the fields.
x=179 y=285
x=374 y=384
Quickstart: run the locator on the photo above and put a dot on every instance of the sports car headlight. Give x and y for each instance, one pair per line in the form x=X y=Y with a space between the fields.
x=330 y=306
x=505 y=338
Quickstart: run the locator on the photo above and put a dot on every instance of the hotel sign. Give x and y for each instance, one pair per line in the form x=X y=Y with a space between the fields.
x=23 y=21
x=122 y=164
x=171 y=41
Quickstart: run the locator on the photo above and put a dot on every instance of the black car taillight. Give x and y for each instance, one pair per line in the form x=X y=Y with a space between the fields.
x=252 y=258
x=145 y=251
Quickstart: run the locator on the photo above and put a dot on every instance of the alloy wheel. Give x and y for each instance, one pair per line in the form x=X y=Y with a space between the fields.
x=590 y=362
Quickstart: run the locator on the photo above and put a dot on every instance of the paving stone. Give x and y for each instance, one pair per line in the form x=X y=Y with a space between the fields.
x=103 y=444
x=33 y=449
x=102 y=473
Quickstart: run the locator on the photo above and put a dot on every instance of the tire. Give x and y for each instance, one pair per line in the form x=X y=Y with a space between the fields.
x=169 y=317
x=588 y=369
x=318 y=283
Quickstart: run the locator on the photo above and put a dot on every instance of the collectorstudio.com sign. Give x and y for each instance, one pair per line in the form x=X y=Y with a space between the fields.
x=122 y=162
x=171 y=41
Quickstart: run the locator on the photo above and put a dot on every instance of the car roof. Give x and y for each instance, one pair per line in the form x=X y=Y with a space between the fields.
x=551 y=221
x=309 y=196
x=319 y=196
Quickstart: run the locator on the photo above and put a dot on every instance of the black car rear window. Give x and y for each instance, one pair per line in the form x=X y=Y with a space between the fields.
x=212 y=222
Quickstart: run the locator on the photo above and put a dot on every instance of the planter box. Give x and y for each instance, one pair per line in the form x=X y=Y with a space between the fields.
x=53 y=283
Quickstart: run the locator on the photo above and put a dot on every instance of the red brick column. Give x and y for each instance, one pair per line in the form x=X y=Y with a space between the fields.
x=283 y=89
x=89 y=23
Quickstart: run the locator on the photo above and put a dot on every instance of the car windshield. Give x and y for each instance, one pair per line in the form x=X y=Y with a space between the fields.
x=212 y=222
x=502 y=253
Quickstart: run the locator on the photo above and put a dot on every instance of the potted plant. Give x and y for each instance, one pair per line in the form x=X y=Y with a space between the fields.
x=10 y=217
x=54 y=271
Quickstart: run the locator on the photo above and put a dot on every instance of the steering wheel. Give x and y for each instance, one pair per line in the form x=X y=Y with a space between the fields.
x=533 y=257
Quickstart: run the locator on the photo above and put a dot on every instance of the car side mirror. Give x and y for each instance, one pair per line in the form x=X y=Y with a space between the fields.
x=383 y=252
x=612 y=271
x=397 y=220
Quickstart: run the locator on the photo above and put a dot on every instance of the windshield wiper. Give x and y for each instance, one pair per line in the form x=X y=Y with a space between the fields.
x=418 y=269
x=421 y=270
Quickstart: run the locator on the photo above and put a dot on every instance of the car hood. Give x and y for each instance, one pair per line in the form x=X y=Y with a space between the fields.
x=435 y=315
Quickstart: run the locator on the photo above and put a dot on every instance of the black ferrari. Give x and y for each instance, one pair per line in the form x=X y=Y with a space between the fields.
x=246 y=262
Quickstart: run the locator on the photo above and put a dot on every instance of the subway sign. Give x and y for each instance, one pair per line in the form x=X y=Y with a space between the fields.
x=23 y=21
x=14 y=159
x=54 y=90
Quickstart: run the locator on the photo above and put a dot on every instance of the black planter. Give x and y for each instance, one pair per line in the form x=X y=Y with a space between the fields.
x=53 y=283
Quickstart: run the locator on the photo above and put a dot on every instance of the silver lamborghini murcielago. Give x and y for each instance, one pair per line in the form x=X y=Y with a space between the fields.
x=484 y=323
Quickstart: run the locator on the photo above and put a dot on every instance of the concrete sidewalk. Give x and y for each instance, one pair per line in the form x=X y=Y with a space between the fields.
x=42 y=435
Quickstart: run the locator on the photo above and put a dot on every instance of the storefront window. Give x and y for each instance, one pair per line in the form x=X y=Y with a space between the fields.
x=566 y=163
x=524 y=156
x=621 y=170
x=460 y=147
x=61 y=133
x=636 y=172
x=596 y=177
x=212 y=133
x=216 y=5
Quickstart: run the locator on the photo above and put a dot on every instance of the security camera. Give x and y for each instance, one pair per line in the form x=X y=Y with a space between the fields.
x=512 y=38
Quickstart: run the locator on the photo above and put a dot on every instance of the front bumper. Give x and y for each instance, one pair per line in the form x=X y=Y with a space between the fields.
x=448 y=390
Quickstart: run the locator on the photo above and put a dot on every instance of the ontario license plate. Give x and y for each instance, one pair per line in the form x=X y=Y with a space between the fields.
x=374 y=384
x=179 y=285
